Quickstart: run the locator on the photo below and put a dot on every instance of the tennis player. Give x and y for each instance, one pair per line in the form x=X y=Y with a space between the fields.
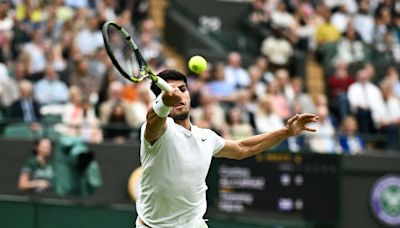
x=176 y=157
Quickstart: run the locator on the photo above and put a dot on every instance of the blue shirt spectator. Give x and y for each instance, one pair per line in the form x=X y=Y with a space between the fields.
x=50 y=90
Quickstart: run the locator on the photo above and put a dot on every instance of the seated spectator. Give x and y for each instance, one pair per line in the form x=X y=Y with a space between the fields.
x=338 y=84
x=150 y=48
x=115 y=96
x=278 y=50
x=26 y=108
x=326 y=36
x=8 y=89
x=50 y=90
x=322 y=141
x=223 y=89
x=234 y=72
x=301 y=98
x=282 y=77
x=281 y=17
x=266 y=120
x=79 y=118
x=117 y=128
x=350 y=48
x=89 y=38
x=364 y=22
x=386 y=49
x=84 y=79
x=350 y=141
x=393 y=76
x=6 y=34
x=327 y=32
x=206 y=120
x=237 y=129
x=209 y=102
x=278 y=100
x=257 y=19
x=341 y=18
x=35 y=51
x=388 y=117
x=364 y=97
x=37 y=173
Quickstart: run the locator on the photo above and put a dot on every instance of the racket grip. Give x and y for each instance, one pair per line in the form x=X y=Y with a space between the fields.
x=163 y=85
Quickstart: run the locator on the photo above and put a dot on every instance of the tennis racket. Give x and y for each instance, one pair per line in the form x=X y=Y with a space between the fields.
x=126 y=56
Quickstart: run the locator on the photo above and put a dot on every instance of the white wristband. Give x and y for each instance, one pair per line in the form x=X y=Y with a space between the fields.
x=160 y=108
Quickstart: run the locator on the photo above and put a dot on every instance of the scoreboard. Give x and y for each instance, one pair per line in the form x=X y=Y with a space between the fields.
x=300 y=186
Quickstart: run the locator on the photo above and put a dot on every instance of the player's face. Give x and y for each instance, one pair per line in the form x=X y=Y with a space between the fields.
x=181 y=110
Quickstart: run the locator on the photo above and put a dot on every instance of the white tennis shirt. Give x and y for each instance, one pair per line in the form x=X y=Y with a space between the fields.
x=172 y=191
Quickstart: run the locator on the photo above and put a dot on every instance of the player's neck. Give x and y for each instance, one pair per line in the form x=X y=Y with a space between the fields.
x=184 y=123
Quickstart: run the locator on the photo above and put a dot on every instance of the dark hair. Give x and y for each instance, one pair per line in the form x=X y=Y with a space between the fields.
x=168 y=75
x=37 y=142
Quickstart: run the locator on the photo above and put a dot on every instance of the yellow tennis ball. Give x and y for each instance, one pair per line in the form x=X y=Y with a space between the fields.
x=197 y=64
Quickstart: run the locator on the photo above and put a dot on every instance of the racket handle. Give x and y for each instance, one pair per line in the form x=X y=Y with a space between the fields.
x=163 y=85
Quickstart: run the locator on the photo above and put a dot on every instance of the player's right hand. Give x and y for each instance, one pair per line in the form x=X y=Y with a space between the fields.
x=172 y=97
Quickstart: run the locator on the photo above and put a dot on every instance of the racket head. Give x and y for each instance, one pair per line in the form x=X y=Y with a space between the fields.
x=124 y=53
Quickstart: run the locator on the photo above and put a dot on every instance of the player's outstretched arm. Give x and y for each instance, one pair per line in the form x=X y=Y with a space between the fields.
x=248 y=147
x=157 y=115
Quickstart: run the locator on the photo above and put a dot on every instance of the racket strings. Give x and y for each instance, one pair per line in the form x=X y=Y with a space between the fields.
x=124 y=53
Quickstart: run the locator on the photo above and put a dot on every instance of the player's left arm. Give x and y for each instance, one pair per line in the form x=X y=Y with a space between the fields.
x=240 y=149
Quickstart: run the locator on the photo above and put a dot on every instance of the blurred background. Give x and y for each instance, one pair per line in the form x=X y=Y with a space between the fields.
x=69 y=124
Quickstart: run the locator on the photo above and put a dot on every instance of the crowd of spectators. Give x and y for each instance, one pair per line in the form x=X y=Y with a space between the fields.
x=53 y=63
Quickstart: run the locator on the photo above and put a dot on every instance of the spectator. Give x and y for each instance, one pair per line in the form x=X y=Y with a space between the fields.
x=350 y=141
x=326 y=36
x=278 y=100
x=393 y=76
x=301 y=98
x=6 y=20
x=282 y=77
x=8 y=90
x=257 y=19
x=115 y=97
x=37 y=174
x=234 y=73
x=338 y=84
x=223 y=88
x=150 y=48
x=79 y=118
x=89 y=39
x=84 y=79
x=218 y=118
x=6 y=35
x=50 y=90
x=323 y=141
x=266 y=119
x=341 y=18
x=237 y=129
x=278 y=50
x=364 y=22
x=26 y=108
x=282 y=18
x=206 y=120
x=54 y=58
x=382 y=25
x=362 y=96
x=350 y=49
x=117 y=128
x=388 y=119
x=36 y=50
x=327 y=33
